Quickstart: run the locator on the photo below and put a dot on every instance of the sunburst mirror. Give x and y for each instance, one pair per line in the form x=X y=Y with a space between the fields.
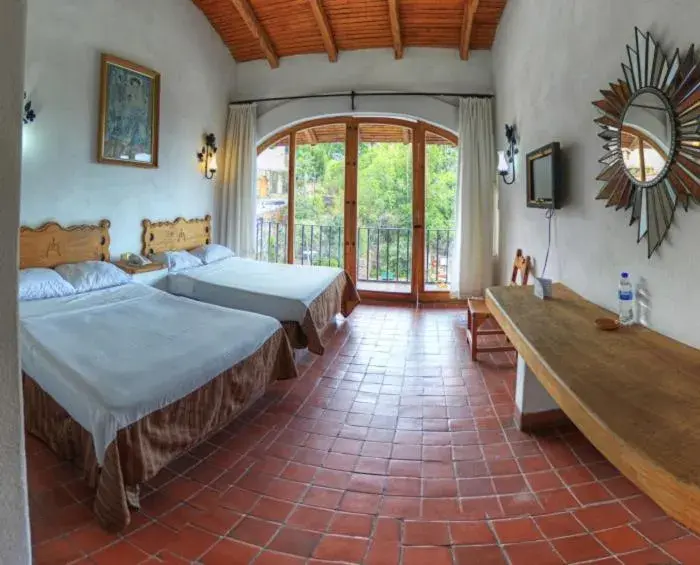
x=650 y=126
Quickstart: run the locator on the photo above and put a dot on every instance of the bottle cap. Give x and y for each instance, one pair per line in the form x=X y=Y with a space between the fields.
x=625 y=275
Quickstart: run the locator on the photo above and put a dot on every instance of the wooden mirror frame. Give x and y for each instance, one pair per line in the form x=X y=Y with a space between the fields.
x=676 y=81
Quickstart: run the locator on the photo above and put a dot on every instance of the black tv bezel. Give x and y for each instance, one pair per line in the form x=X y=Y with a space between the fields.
x=553 y=149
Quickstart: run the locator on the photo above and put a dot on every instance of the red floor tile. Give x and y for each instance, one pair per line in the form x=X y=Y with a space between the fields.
x=579 y=548
x=295 y=542
x=622 y=540
x=660 y=530
x=686 y=549
x=230 y=552
x=516 y=531
x=559 y=525
x=425 y=555
x=483 y=555
x=254 y=531
x=341 y=548
x=426 y=533
x=392 y=449
x=533 y=552
x=351 y=524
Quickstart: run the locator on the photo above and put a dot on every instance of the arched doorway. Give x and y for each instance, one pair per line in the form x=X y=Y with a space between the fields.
x=373 y=195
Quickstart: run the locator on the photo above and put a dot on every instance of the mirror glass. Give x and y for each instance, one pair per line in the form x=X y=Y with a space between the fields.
x=647 y=136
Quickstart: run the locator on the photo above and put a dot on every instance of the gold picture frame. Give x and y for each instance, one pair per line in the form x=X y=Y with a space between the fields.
x=129 y=114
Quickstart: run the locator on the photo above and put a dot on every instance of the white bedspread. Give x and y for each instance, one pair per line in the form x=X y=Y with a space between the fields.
x=113 y=356
x=281 y=291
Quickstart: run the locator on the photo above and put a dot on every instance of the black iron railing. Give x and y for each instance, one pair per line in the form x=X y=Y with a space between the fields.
x=383 y=254
x=438 y=246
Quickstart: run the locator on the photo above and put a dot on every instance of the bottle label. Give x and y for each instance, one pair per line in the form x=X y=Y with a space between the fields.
x=625 y=295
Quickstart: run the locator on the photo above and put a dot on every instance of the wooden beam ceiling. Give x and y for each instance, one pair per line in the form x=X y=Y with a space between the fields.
x=274 y=29
x=470 y=8
x=246 y=12
x=324 y=27
x=395 y=21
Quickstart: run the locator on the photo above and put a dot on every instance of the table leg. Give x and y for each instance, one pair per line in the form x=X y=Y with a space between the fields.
x=534 y=407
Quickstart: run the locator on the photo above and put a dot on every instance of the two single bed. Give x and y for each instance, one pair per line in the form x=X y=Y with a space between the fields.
x=304 y=299
x=125 y=379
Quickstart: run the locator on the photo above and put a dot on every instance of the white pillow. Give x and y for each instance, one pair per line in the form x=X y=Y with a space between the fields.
x=177 y=260
x=92 y=275
x=36 y=284
x=212 y=252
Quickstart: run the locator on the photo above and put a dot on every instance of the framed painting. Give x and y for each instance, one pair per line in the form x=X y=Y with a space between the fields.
x=129 y=114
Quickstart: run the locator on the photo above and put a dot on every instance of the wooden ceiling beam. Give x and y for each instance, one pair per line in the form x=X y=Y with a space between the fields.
x=311 y=134
x=470 y=8
x=324 y=27
x=251 y=21
x=395 y=20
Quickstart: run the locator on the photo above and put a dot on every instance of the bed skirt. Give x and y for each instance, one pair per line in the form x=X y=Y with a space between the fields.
x=145 y=447
x=340 y=297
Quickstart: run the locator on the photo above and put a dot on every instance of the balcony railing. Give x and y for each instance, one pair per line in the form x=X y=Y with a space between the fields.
x=383 y=254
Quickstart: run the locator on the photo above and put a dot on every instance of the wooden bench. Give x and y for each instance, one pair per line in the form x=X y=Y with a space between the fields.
x=634 y=393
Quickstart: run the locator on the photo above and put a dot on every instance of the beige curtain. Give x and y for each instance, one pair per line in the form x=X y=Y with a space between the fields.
x=235 y=206
x=471 y=270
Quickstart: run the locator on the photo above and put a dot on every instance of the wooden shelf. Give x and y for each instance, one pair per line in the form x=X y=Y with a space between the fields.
x=634 y=393
x=137 y=269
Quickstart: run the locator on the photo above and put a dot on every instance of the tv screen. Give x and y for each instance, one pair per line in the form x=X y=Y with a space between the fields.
x=544 y=177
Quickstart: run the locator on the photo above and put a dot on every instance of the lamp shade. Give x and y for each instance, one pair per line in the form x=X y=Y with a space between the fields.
x=502 y=162
x=213 y=166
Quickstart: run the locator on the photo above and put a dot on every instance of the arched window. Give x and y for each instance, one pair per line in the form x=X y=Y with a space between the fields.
x=373 y=195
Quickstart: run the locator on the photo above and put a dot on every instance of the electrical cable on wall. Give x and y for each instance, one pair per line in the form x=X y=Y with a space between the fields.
x=549 y=214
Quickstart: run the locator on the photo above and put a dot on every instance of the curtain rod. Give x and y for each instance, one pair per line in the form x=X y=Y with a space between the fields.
x=353 y=95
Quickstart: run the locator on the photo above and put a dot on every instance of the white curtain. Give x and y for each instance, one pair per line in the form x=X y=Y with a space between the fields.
x=472 y=267
x=235 y=206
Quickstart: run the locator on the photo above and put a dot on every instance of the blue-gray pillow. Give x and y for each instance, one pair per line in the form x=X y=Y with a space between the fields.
x=212 y=252
x=92 y=275
x=39 y=283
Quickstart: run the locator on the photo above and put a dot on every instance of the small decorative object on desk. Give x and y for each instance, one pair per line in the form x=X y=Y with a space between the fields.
x=543 y=288
x=607 y=324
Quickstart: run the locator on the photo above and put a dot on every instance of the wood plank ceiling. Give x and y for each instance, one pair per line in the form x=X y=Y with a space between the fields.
x=271 y=29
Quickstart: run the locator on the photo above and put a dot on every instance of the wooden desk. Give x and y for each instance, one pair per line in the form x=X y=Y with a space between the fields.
x=634 y=393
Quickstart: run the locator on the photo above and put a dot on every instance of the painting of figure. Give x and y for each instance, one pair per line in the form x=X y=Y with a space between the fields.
x=128 y=132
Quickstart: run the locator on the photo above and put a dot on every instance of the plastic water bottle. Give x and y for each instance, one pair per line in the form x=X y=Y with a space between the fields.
x=625 y=295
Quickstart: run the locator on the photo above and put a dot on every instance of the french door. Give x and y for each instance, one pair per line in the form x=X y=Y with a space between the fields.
x=372 y=195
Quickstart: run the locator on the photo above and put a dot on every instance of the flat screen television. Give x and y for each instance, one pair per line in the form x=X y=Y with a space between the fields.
x=544 y=177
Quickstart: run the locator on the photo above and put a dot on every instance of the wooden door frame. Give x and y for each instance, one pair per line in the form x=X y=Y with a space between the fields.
x=352 y=144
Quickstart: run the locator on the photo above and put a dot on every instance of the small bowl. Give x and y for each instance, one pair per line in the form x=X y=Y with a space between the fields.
x=607 y=324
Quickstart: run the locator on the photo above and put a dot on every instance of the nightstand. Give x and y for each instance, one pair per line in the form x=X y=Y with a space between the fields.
x=138 y=269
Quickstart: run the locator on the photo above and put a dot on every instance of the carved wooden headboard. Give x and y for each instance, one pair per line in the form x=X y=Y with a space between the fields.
x=178 y=235
x=51 y=244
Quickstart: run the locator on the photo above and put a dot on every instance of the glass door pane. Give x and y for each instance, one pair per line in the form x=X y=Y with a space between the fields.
x=319 y=191
x=385 y=208
x=272 y=203
x=441 y=158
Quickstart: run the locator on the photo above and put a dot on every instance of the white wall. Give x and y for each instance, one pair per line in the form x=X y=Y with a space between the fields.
x=421 y=69
x=551 y=58
x=14 y=521
x=61 y=178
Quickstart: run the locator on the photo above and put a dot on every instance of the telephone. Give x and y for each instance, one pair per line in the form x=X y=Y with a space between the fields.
x=136 y=260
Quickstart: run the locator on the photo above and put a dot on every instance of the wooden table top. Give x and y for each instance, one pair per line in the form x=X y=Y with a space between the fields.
x=633 y=392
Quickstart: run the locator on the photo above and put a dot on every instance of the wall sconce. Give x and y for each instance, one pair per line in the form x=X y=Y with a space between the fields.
x=506 y=159
x=208 y=156
x=28 y=113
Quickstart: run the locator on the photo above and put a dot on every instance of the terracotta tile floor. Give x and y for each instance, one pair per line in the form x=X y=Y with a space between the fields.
x=393 y=448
